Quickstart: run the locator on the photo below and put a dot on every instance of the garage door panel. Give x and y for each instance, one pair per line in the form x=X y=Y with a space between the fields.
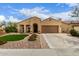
x=49 y=29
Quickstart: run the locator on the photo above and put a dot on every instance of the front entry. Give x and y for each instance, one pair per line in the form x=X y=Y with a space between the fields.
x=35 y=28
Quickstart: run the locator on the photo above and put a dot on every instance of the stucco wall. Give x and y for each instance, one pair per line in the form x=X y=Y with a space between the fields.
x=76 y=28
x=52 y=22
x=62 y=26
x=30 y=22
x=66 y=27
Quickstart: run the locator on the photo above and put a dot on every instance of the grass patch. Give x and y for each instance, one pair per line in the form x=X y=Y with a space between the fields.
x=13 y=37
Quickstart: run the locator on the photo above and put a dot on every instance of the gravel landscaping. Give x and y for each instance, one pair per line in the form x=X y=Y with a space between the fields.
x=23 y=43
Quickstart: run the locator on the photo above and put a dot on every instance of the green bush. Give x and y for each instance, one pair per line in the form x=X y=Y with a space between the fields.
x=32 y=37
x=2 y=42
x=10 y=29
x=74 y=32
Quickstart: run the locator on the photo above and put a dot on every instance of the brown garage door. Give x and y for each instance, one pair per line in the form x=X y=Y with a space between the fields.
x=49 y=29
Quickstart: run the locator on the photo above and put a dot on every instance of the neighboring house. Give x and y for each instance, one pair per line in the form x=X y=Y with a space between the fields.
x=2 y=31
x=75 y=25
x=49 y=25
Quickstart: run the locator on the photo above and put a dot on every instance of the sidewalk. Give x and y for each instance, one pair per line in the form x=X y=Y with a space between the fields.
x=39 y=52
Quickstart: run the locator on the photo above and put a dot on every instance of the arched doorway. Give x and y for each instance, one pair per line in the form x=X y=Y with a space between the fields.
x=35 y=28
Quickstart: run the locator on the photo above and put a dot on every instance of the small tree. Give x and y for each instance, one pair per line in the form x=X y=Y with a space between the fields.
x=11 y=27
x=75 y=12
x=2 y=23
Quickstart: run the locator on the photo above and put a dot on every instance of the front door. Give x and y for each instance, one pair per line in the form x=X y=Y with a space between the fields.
x=35 y=28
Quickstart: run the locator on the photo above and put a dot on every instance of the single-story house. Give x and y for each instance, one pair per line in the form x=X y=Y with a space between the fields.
x=75 y=25
x=49 y=25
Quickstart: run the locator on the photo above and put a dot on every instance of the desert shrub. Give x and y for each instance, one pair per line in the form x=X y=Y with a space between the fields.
x=32 y=37
x=2 y=42
x=10 y=29
x=74 y=32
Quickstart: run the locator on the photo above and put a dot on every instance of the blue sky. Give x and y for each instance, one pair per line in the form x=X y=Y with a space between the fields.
x=21 y=11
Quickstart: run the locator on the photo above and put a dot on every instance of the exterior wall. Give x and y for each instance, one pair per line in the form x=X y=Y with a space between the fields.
x=35 y=21
x=62 y=26
x=65 y=28
x=23 y=23
x=76 y=28
x=52 y=22
x=30 y=22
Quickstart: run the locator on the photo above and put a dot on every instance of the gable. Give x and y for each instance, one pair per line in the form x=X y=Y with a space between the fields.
x=30 y=20
x=51 y=21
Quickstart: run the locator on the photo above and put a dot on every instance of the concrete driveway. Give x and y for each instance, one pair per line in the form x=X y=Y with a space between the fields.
x=61 y=40
x=60 y=45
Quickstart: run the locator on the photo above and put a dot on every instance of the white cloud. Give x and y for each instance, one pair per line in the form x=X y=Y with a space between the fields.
x=69 y=4
x=37 y=11
x=44 y=13
x=10 y=7
x=2 y=18
x=72 y=4
x=63 y=15
x=58 y=4
x=10 y=18
x=40 y=12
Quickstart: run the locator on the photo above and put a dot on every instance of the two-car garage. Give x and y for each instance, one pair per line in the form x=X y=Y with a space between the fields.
x=49 y=28
x=49 y=25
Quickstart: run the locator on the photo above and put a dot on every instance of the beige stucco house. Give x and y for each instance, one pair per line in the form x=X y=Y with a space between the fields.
x=75 y=25
x=49 y=25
